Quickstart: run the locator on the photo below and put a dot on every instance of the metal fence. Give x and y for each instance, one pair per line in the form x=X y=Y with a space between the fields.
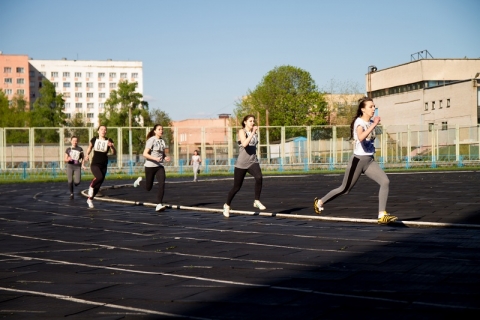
x=40 y=151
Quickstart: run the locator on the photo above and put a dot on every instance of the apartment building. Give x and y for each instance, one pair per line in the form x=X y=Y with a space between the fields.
x=15 y=75
x=438 y=93
x=84 y=84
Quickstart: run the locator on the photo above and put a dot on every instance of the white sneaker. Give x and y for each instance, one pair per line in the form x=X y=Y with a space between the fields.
x=259 y=205
x=137 y=182
x=226 y=210
x=160 y=207
x=90 y=203
x=90 y=192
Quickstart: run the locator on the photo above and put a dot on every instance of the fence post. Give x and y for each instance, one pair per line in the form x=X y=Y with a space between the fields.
x=457 y=142
x=381 y=161
x=434 y=162
x=54 y=172
x=232 y=163
x=130 y=167
x=180 y=165
x=305 y=164
x=460 y=161
x=24 y=176
x=330 y=163
x=207 y=162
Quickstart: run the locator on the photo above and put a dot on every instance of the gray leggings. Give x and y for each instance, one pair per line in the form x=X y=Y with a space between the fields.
x=73 y=175
x=356 y=166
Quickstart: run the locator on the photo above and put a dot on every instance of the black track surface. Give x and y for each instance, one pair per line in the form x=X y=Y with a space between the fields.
x=59 y=259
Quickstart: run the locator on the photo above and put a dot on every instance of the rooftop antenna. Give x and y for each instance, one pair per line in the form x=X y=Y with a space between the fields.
x=424 y=54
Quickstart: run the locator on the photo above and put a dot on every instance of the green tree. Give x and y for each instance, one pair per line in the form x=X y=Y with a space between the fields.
x=48 y=112
x=125 y=106
x=158 y=116
x=289 y=96
x=14 y=114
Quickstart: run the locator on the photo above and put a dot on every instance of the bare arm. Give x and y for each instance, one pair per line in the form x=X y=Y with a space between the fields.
x=362 y=134
x=246 y=140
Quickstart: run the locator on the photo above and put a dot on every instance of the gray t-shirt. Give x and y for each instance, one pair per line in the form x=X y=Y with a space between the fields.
x=157 y=149
x=247 y=156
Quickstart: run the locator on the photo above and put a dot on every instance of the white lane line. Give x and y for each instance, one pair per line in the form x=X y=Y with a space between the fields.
x=238 y=283
x=154 y=252
x=99 y=304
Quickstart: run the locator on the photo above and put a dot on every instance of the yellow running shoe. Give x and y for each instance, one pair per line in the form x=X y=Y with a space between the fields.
x=386 y=219
x=316 y=205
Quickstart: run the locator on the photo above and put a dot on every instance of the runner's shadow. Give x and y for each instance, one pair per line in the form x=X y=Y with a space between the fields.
x=288 y=211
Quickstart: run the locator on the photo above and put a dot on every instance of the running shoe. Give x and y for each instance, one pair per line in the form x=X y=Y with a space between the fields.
x=71 y=196
x=90 y=192
x=226 y=210
x=386 y=218
x=160 y=207
x=259 y=205
x=137 y=182
x=317 y=206
x=90 y=203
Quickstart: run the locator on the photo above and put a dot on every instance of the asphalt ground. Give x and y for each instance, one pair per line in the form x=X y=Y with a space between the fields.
x=123 y=261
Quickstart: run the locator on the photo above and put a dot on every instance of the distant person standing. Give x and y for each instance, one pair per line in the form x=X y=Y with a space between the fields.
x=101 y=146
x=362 y=130
x=196 y=162
x=74 y=160
x=247 y=161
x=154 y=154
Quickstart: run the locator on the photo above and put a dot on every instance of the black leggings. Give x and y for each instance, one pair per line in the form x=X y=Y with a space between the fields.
x=150 y=174
x=99 y=172
x=239 y=176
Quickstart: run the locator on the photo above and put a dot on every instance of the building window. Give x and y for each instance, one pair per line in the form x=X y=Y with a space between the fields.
x=66 y=94
x=135 y=75
x=66 y=74
x=101 y=84
x=431 y=126
x=43 y=73
x=20 y=81
x=101 y=74
x=8 y=91
x=78 y=115
x=426 y=106
x=90 y=115
x=433 y=105
x=113 y=85
x=20 y=91
x=101 y=105
x=67 y=104
x=89 y=94
x=101 y=95
x=32 y=84
x=54 y=74
x=78 y=94
x=8 y=80
x=89 y=74
x=32 y=73
x=444 y=125
x=68 y=115
x=89 y=84
x=90 y=105
x=78 y=84
x=123 y=75
x=78 y=74
x=448 y=103
x=20 y=70
x=78 y=105
x=66 y=84
x=7 y=69
x=89 y=124
x=113 y=75
x=55 y=84
x=440 y=102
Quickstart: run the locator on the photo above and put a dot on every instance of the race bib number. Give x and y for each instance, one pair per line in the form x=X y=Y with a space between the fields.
x=75 y=154
x=100 y=145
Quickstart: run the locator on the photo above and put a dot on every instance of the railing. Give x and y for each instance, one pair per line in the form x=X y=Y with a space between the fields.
x=40 y=151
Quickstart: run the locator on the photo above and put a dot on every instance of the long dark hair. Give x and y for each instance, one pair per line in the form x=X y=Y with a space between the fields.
x=361 y=104
x=151 y=133
x=246 y=118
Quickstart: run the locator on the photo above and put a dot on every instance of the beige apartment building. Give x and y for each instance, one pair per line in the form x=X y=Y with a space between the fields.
x=15 y=75
x=438 y=93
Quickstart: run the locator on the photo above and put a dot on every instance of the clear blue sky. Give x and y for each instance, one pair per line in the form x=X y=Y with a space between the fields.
x=200 y=56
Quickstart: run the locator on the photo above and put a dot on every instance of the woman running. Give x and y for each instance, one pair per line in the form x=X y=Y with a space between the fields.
x=247 y=161
x=362 y=129
x=101 y=146
x=195 y=162
x=154 y=154
x=74 y=160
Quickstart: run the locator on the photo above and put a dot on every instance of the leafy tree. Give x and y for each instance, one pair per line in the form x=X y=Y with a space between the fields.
x=290 y=96
x=158 y=116
x=125 y=104
x=48 y=112
x=14 y=114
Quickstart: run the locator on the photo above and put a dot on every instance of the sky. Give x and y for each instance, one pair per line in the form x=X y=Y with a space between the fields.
x=201 y=56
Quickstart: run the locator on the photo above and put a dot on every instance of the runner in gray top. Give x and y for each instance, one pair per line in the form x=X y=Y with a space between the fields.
x=154 y=154
x=74 y=160
x=247 y=161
